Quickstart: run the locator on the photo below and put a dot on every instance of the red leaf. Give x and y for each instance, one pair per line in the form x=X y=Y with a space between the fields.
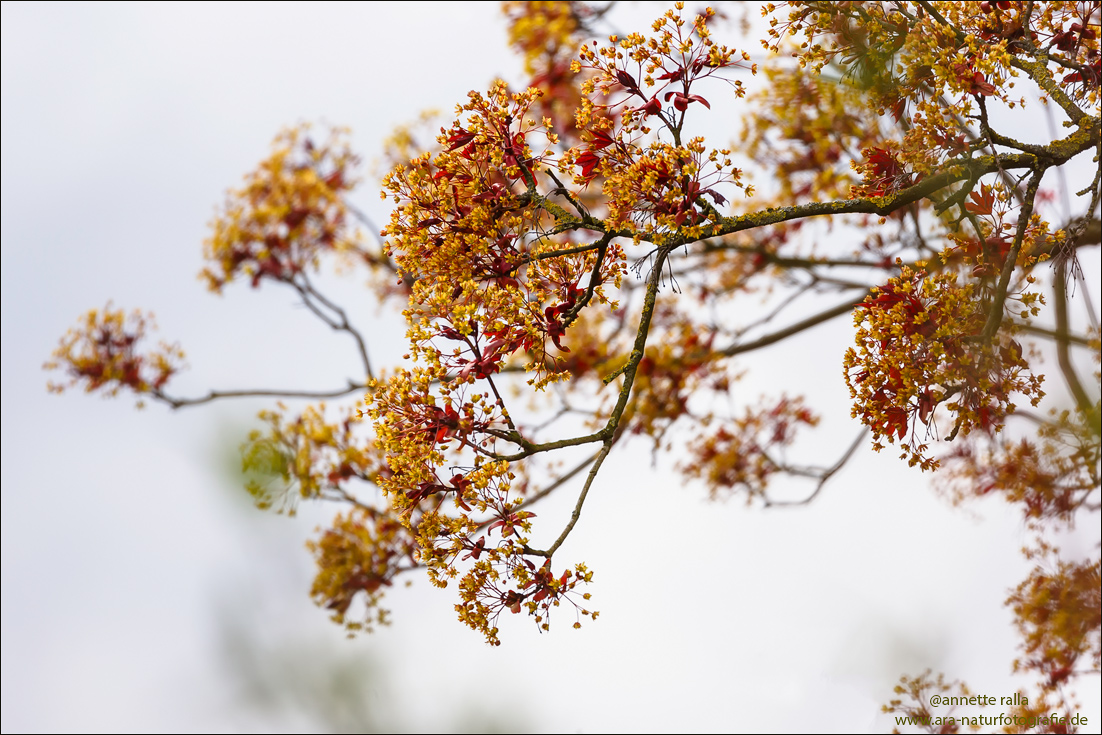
x=716 y=196
x=601 y=140
x=460 y=138
x=982 y=201
x=651 y=108
x=296 y=216
x=589 y=162
x=626 y=79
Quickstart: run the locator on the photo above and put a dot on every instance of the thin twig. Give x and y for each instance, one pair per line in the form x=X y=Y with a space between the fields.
x=577 y=512
x=307 y=292
x=215 y=395
x=739 y=348
x=824 y=476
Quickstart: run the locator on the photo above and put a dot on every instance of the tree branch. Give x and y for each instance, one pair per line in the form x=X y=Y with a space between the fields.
x=1082 y=400
x=796 y=328
x=826 y=475
x=995 y=318
x=341 y=324
x=215 y=395
x=577 y=512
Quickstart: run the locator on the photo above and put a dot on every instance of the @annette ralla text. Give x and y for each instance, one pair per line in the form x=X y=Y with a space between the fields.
x=1027 y=722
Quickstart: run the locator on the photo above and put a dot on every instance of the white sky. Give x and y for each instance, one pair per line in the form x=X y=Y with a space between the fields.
x=131 y=565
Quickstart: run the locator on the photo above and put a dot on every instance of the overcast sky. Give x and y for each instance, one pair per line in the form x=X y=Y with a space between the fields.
x=141 y=592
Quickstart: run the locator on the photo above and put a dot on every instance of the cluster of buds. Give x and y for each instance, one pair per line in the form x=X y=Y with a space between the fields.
x=920 y=345
x=105 y=352
x=290 y=211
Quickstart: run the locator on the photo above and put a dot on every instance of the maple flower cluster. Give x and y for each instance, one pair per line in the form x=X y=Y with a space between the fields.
x=541 y=31
x=310 y=453
x=919 y=346
x=809 y=133
x=289 y=212
x=497 y=269
x=105 y=352
x=635 y=85
x=358 y=557
x=512 y=241
x=744 y=454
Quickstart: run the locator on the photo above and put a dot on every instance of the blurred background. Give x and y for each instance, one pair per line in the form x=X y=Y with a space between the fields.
x=143 y=592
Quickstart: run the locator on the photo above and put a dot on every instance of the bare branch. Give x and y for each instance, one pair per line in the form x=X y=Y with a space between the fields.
x=215 y=395
x=796 y=328
x=341 y=324
x=824 y=477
